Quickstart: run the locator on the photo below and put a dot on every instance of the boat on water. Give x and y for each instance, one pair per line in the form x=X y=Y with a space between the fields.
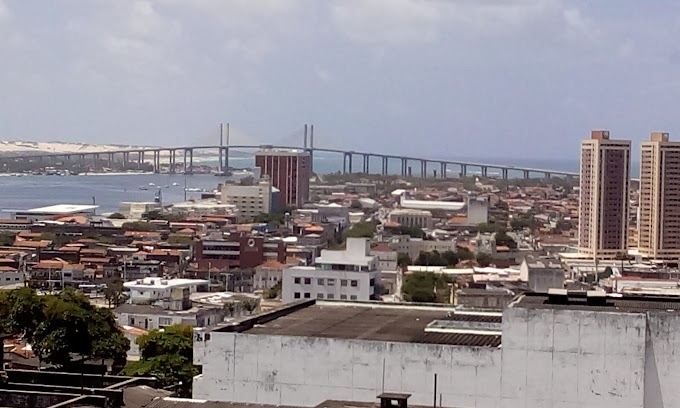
x=143 y=188
x=175 y=184
x=152 y=184
x=193 y=189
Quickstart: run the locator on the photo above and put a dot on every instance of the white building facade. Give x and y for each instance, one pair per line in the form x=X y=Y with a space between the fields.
x=250 y=200
x=350 y=274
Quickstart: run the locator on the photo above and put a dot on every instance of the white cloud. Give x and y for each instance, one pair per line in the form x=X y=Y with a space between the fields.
x=386 y=22
x=413 y=22
x=4 y=11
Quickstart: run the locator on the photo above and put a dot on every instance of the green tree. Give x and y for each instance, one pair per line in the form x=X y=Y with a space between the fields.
x=491 y=227
x=139 y=226
x=450 y=258
x=116 y=216
x=114 y=292
x=404 y=260
x=21 y=311
x=483 y=259
x=422 y=286
x=180 y=240
x=522 y=222
x=7 y=238
x=273 y=293
x=364 y=229
x=73 y=328
x=464 y=254
x=167 y=354
x=502 y=238
x=413 y=232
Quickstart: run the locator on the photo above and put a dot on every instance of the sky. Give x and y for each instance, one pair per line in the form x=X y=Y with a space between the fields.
x=497 y=79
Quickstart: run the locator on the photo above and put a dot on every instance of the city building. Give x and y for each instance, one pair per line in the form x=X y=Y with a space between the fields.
x=149 y=290
x=349 y=274
x=250 y=200
x=238 y=251
x=565 y=349
x=412 y=218
x=56 y=211
x=290 y=171
x=603 y=206
x=404 y=244
x=659 y=213
x=135 y=210
x=268 y=275
x=477 y=210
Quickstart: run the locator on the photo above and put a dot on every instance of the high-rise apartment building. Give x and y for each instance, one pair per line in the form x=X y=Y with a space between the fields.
x=603 y=206
x=290 y=171
x=659 y=216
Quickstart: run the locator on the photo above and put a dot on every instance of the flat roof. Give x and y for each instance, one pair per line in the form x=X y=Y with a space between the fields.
x=626 y=303
x=62 y=209
x=394 y=322
x=160 y=283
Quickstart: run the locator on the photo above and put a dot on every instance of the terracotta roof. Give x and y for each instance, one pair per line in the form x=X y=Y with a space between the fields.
x=7 y=269
x=93 y=251
x=271 y=264
x=186 y=231
x=87 y=241
x=69 y=249
x=392 y=224
x=314 y=228
x=14 y=221
x=28 y=234
x=143 y=243
x=76 y=219
x=165 y=252
x=95 y=260
x=49 y=264
x=458 y=220
x=502 y=248
x=382 y=247
x=32 y=244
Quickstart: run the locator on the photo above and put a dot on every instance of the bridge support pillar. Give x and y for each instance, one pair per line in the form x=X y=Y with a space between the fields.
x=110 y=160
x=191 y=161
x=384 y=165
x=367 y=163
x=173 y=159
x=404 y=167
x=526 y=174
x=186 y=169
x=463 y=170
x=504 y=174
x=423 y=168
x=442 y=170
x=156 y=161
x=548 y=176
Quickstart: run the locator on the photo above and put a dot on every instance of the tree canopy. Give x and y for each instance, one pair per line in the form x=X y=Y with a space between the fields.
x=434 y=258
x=421 y=286
x=364 y=229
x=413 y=232
x=139 y=226
x=63 y=328
x=167 y=354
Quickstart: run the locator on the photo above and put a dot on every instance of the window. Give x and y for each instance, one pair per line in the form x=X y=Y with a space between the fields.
x=320 y=281
x=343 y=282
x=343 y=297
x=308 y=281
x=296 y=295
x=355 y=283
x=319 y=295
x=330 y=282
x=330 y=296
x=353 y=297
x=297 y=280
x=372 y=282
x=308 y=295
x=164 y=321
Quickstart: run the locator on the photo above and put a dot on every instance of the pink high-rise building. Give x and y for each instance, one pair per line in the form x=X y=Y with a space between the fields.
x=290 y=171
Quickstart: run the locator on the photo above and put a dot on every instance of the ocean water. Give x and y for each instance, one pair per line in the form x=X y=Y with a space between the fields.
x=108 y=190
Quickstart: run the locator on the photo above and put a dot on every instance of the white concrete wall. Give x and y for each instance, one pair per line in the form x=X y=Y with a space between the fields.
x=549 y=358
x=572 y=359
x=305 y=371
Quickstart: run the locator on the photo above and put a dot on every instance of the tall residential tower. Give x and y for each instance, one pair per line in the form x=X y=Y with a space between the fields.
x=603 y=206
x=659 y=236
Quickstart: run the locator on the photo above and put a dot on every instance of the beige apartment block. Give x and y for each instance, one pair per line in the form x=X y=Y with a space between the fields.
x=603 y=202
x=659 y=221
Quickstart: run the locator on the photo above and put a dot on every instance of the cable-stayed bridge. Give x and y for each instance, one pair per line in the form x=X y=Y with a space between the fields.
x=228 y=139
